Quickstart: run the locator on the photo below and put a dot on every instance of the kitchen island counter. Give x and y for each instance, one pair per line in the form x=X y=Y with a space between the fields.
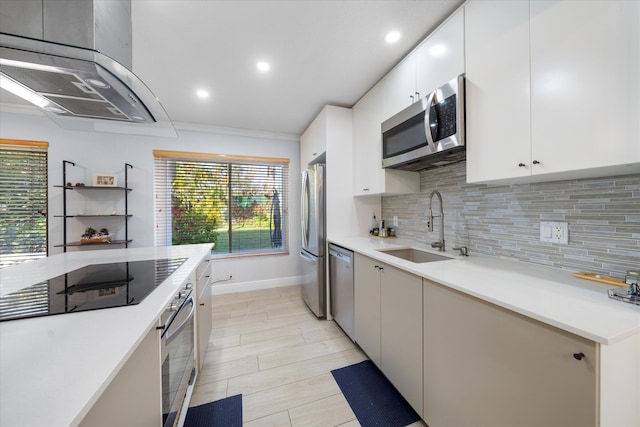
x=53 y=369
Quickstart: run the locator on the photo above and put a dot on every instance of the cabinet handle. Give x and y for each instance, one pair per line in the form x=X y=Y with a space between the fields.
x=535 y=162
x=411 y=96
x=376 y=266
x=202 y=304
x=381 y=268
x=521 y=165
x=578 y=356
x=417 y=96
x=365 y=189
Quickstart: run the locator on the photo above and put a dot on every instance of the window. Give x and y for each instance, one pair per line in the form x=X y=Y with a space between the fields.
x=23 y=201
x=238 y=203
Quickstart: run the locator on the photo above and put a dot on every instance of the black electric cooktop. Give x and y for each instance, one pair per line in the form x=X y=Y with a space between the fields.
x=92 y=287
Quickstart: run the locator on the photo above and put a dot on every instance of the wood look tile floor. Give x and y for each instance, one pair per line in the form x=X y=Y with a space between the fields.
x=269 y=347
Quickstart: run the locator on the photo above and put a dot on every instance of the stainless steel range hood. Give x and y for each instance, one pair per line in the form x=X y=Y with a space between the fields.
x=80 y=88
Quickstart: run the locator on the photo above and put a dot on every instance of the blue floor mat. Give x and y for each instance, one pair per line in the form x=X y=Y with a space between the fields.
x=372 y=397
x=221 y=413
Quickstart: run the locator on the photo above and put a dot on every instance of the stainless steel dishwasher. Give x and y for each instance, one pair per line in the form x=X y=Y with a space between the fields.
x=341 y=287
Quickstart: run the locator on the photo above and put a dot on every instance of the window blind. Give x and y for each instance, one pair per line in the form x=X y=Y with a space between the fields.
x=23 y=201
x=238 y=203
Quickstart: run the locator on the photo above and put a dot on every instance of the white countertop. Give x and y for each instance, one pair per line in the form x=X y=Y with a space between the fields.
x=549 y=295
x=54 y=368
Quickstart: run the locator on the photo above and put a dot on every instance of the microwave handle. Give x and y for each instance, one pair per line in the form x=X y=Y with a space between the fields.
x=427 y=118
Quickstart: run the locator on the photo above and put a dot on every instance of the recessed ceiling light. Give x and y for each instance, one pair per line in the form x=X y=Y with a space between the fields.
x=263 y=66
x=202 y=93
x=392 y=36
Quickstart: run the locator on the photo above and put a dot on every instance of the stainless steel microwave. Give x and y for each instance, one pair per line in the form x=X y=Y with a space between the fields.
x=429 y=133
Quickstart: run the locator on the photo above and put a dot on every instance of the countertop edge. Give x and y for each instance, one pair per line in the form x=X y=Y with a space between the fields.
x=502 y=273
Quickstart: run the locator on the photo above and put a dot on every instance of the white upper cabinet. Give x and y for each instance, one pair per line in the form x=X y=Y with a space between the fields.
x=369 y=177
x=400 y=86
x=313 y=142
x=368 y=114
x=441 y=57
x=437 y=60
x=552 y=89
x=497 y=90
x=328 y=139
x=585 y=83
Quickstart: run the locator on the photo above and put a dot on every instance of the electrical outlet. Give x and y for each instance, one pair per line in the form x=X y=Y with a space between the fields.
x=554 y=232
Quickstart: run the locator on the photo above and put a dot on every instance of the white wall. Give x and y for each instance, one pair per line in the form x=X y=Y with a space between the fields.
x=107 y=152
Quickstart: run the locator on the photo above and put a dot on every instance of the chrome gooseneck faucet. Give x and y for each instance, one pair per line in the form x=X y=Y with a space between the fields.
x=439 y=244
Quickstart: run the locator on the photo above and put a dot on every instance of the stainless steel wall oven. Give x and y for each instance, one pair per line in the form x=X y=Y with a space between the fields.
x=177 y=343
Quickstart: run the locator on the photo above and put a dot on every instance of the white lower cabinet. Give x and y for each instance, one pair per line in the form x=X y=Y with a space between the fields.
x=487 y=366
x=388 y=324
x=204 y=311
x=366 y=295
x=401 y=332
x=134 y=396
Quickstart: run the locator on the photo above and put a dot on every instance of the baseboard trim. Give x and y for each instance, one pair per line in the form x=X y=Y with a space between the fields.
x=228 y=288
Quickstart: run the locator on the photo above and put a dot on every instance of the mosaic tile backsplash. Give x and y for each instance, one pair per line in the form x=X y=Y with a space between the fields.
x=603 y=216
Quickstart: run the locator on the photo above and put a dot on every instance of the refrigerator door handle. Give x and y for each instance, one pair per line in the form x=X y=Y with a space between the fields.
x=305 y=209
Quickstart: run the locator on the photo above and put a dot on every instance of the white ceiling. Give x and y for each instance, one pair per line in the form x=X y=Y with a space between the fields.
x=321 y=52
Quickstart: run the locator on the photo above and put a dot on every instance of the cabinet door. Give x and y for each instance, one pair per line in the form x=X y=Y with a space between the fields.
x=134 y=396
x=367 y=306
x=368 y=114
x=369 y=176
x=313 y=140
x=400 y=86
x=441 y=57
x=487 y=366
x=585 y=99
x=401 y=333
x=497 y=90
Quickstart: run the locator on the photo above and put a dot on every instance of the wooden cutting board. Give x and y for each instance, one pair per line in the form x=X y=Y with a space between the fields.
x=609 y=280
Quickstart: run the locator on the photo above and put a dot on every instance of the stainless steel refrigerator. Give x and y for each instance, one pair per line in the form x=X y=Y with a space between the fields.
x=313 y=239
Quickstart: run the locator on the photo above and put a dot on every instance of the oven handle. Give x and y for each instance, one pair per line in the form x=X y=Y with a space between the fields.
x=171 y=332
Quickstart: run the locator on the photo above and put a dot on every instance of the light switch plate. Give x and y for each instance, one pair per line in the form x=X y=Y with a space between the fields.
x=554 y=232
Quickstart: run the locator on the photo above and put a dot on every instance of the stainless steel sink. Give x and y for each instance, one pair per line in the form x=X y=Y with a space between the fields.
x=414 y=255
